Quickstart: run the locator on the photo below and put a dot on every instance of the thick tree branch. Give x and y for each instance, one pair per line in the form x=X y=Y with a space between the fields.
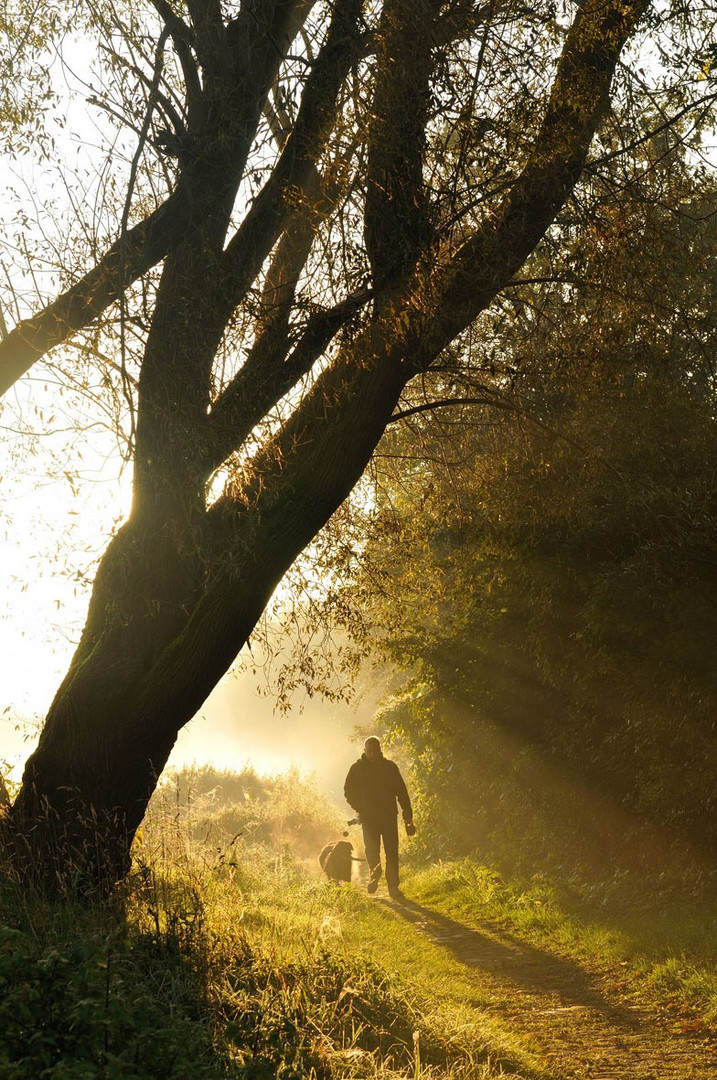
x=210 y=38
x=491 y=256
x=289 y=258
x=141 y=248
x=265 y=380
x=396 y=228
x=261 y=228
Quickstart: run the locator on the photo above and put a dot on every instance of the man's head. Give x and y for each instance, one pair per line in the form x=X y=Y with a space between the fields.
x=372 y=748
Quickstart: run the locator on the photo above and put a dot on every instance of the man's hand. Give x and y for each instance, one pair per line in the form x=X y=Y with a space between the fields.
x=410 y=829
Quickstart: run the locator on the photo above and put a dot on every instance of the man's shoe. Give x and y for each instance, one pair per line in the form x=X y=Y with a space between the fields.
x=396 y=894
x=371 y=887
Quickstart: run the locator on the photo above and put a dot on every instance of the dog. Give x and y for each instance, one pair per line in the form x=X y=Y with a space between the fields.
x=335 y=860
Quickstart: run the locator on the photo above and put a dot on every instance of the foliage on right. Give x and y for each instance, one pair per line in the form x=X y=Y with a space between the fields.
x=544 y=542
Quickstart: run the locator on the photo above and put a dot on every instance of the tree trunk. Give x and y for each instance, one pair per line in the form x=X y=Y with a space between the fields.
x=116 y=716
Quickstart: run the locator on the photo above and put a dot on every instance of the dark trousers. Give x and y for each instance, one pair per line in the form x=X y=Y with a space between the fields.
x=373 y=833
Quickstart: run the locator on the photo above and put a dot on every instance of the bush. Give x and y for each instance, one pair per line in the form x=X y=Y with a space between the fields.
x=80 y=1000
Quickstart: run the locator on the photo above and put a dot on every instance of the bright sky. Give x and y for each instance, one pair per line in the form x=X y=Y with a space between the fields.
x=52 y=528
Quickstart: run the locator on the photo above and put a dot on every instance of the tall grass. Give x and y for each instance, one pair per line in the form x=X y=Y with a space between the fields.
x=224 y=954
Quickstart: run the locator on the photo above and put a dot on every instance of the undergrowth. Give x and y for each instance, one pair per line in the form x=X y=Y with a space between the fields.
x=220 y=957
x=225 y=954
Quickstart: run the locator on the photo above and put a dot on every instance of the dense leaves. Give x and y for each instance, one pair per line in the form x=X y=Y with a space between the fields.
x=548 y=562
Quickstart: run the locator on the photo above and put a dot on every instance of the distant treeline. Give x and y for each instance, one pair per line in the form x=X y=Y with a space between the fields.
x=230 y=811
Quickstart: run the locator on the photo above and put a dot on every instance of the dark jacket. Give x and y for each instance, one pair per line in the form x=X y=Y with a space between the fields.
x=372 y=789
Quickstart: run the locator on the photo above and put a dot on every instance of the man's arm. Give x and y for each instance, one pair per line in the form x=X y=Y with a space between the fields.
x=403 y=798
x=351 y=789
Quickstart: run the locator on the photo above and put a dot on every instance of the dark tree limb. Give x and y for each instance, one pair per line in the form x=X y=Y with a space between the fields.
x=274 y=205
x=491 y=256
x=263 y=382
x=396 y=227
x=141 y=248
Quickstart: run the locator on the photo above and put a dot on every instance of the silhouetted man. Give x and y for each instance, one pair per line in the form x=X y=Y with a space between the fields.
x=372 y=787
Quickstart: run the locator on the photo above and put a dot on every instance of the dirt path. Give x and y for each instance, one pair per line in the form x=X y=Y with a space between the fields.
x=584 y=1022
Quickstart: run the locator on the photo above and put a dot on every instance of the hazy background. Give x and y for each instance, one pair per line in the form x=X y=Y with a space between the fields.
x=238 y=727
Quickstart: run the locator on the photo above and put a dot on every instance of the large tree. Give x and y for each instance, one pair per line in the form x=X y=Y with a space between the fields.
x=335 y=192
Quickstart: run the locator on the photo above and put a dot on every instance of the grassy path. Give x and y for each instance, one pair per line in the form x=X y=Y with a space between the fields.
x=584 y=1024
